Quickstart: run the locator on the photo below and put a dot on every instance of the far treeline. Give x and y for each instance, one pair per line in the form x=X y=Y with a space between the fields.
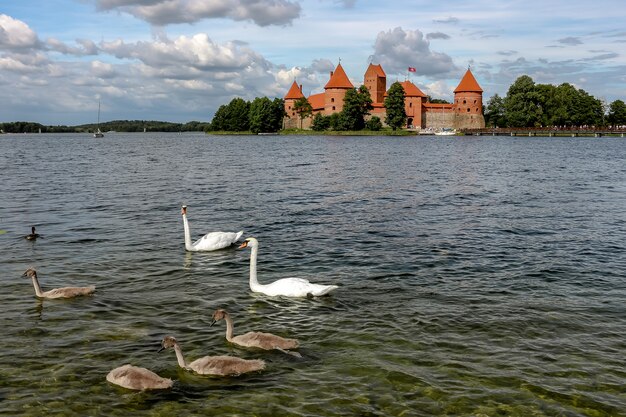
x=544 y=105
x=115 y=125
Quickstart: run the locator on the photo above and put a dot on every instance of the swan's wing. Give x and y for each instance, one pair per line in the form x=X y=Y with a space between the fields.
x=265 y=341
x=216 y=240
x=133 y=377
x=297 y=287
x=225 y=365
x=320 y=290
x=69 y=292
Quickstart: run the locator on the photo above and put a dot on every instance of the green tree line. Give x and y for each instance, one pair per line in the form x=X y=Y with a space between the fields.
x=115 y=125
x=261 y=115
x=528 y=104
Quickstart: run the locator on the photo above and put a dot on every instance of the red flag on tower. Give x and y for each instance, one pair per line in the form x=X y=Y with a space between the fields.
x=412 y=69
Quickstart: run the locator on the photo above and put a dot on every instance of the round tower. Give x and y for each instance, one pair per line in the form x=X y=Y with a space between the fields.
x=335 y=90
x=291 y=117
x=468 y=103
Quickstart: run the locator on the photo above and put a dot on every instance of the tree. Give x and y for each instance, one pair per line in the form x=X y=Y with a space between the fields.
x=589 y=110
x=219 y=119
x=278 y=114
x=494 y=112
x=394 y=103
x=374 y=124
x=237 y=115
x=303 y=108
x=522 y=103
x=335 y=121
x=356 y=105
x=320 y=122
x=617 y=113
x=261 y=115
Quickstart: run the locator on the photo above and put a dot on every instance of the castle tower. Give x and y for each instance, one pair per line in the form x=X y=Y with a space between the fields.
x=468 y=103
x=335 y=90
x=375 y=80
x=291 y=118
x=413 y=99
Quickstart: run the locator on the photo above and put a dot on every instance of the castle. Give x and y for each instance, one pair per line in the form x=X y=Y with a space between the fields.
x=466 y=111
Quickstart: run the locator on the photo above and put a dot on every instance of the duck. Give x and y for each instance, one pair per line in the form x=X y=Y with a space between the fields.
x=209 y=242
x=33 y=235
x=213 y=365
x=288 y=287
x=65 y=292
x=136 y=378
x=265 y=341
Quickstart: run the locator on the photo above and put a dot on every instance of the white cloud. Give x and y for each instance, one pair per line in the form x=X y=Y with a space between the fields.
x=398 y=49
x=16 y=35
x=102 y=70
x=165 y=12
x=197 y=51
x=86 y=47
x=439 y=89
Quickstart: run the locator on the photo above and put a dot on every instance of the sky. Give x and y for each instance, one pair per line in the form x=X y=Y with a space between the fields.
x=179 y=60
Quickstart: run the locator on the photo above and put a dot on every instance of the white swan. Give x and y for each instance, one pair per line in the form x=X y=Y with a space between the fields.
x=289 y=287
x=213 y=365
x=65 y=292
x=134 y=377
x=265 y=341
x=210 y=241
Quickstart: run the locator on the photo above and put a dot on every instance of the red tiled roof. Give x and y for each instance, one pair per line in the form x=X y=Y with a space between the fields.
x=375 y=70
x=468 y=84
x=437 y=106
x=338 y=79
x=294 y=92
x=317 y=101
x=411 y=90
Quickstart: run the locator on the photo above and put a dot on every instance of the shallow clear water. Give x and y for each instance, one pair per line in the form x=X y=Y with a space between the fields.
x=478 y=276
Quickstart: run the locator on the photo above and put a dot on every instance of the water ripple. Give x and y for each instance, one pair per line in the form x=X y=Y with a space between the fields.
x=478 y=276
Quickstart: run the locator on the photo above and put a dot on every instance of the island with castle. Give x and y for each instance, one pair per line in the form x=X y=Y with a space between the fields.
x=465 y=113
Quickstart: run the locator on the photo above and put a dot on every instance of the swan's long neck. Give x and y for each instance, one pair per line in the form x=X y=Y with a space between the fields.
x=254 y=283
x=38 y=290
x=229 y=327
x=179 y=356
x=187 y=233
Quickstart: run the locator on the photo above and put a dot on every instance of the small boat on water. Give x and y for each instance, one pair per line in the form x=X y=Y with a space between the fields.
x=446 y=131
x=98 y=133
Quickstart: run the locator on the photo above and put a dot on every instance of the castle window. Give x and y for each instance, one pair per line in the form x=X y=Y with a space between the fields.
x=333 y=107
x=474 y=101
x=410 y=105
x=468 y=110
x=293 y=114
x=464 y=102
x=332 y=100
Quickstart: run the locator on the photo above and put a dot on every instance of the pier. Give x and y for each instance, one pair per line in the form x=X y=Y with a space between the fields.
x=548 y=131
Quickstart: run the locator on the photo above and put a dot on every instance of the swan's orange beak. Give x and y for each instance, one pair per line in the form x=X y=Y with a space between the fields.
x=183 y=210
x=243 y=245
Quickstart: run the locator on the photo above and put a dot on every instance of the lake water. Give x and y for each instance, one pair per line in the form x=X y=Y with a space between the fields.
x=478 y=276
